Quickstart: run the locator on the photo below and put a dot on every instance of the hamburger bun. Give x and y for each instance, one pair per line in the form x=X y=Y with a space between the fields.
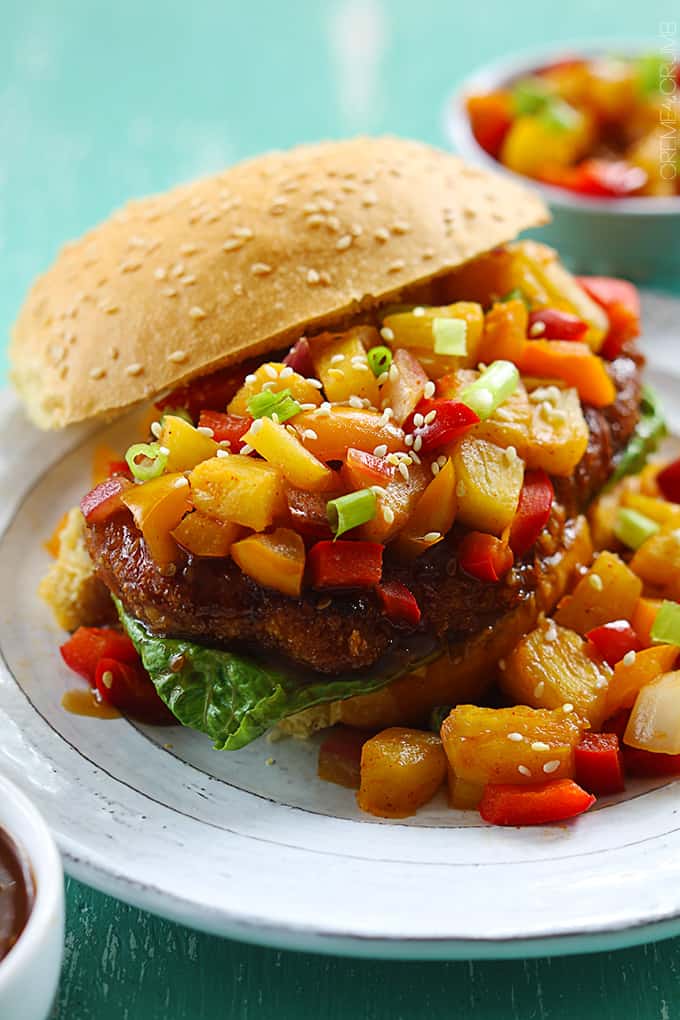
x=178 y=285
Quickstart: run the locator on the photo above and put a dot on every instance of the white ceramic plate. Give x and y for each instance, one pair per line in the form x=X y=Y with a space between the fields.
x=226 y=843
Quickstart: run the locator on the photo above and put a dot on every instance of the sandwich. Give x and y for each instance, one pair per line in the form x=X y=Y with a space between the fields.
x=373 y=422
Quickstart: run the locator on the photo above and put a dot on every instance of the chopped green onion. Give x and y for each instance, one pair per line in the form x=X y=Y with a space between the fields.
x=559 y=116
x=267 y=404
x=179 y=412
x=530 y=95
x=450 y=336
x=152 y=466
x=498 y=382
x=650 y=71
x=633 y=528
x=666 y=626
x=516 y=294
x=347 y=512
x=379 y=360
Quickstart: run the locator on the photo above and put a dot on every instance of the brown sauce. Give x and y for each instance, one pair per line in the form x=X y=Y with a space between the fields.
x=85 y=701
x=16 y=893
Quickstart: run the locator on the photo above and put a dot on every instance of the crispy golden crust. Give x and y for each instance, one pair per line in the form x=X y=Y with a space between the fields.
x=179 y=284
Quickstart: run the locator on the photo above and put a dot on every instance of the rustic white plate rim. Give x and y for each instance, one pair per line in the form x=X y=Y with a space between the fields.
x=266 y=855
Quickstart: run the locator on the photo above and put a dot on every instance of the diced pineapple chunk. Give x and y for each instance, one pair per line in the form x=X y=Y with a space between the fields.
x=157 y=507
x=609 y=591
x=491 y=276
x=405 y=387
x=274 y=377
x=275 y=560
x=285 y=451
x=395 y=504
x=419 y=330
x=463 y=795
x=659 y=510
x=558 y=435
x=510 y=745
x=238 y=489
x=401 y=770
x=657 y=561
x=206 y=536
x=342 y=366
x=552 y=667
x=531 y=142
x=433 y=515
x=489 y=484
x=329 y=434
x=186 y=445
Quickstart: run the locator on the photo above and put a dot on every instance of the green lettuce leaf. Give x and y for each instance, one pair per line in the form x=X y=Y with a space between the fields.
x=650 y=430
x=234 y=698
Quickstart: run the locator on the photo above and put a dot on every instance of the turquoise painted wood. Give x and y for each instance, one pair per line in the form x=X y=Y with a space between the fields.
x=100 y=101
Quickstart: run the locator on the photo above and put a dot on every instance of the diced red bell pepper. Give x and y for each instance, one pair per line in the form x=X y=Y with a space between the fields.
x=228 y=428
x=669 y=481
x=345 y=564
x=535 y=804
x=128 y=688
x=598 y=763
x=299 y=358
x=621 y=301
x=613 y=640
x=553 y=324
x=340 y=756
x=308 y=512
x=211 y=392
x=484 y=556
x=452 y=420
x=490 y=119
x=88 y=645
x=362 y=469
x=649 y=764
x=119 y=468
x=104 y=500
x=605 y=178
x=399 y=603
x=533 y=511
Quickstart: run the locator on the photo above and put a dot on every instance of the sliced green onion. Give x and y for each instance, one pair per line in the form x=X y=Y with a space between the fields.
x=347 y=512
x=633 y=528
x=179 y=412
x=267 y=404
x=666 y=626
x=530 y=95
x=498 y=382
x=559 y=116
x=379 y=360
x=516 y=294
x=450 y=336
x=154 y=462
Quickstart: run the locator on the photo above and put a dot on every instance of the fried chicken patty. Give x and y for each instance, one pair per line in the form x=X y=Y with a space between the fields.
x=214 y=602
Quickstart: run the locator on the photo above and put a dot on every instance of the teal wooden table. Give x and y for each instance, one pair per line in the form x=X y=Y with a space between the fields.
x=99 y=101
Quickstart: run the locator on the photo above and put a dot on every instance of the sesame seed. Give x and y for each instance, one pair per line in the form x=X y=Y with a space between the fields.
x=233 y=244
x=442 y=459
x=595 y=581
x=337 y=359
x=205 y=430
x=537 y=329
x=381 y=234
x=177 y=356
x=369 y=198
x=432 y=536
x=378 y=490
x=169 y=292
x=312 y=276
x=225 y=444
x=310 y=434
x=386 y=415
x=343 y=242
x=244 y=232
x=551 y=766
x=629 y=658
x=382 y=378
x=260 y=269
x=403 y=471
x=396 y=266
x=551 y=632
x=271 y=371
x=165 y=451
x=429 y=389
x=429 y=417
x=387 y=334
x=523 y=770
x=393 y=372
x=134 y=369
x=275 y=418
x=97 y=373
x=324 y=411
x=107 y=678
x=245 y=450
x=355 y=401
x=308 y=407
x=388 y=515
x=196 y=312
x=399 y=227
x=417 y=443
x=515 y=737
x=409 y=440
x=538 y=745
x=223 y=453
x=460 y=488
x=187 y=280
x=380 y=450
x=256 y=426
x=418 y=420
x=177 y=269
x=286 y=372
x=160 y=273
x=434 y=468
x=250 y=379
x=511 y=454
x=156 y=429
x=539 y=689
x=567 y=707
x=316 y=383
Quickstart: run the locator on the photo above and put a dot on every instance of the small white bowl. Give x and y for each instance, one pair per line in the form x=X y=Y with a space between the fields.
x=634 y=237
x=29 y=974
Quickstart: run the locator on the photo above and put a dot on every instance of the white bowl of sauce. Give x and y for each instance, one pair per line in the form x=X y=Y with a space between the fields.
x=31 y=909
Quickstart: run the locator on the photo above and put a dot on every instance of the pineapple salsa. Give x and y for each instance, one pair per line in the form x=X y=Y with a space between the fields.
x=369 y=445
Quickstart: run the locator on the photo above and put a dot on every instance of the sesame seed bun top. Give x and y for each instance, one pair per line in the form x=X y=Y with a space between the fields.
x=177 y=285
